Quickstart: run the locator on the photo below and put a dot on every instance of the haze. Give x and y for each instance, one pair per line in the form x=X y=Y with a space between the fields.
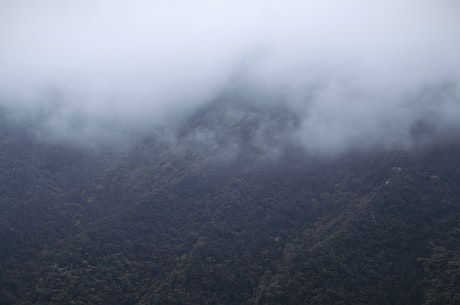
x=357 y=73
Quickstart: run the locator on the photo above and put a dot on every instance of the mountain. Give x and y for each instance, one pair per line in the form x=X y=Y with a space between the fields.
x=229 y=210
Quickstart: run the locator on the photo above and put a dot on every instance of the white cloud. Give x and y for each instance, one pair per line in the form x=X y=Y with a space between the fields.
x=355 y=69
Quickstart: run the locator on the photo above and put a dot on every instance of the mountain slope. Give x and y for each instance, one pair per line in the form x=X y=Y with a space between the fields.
x=214 y=220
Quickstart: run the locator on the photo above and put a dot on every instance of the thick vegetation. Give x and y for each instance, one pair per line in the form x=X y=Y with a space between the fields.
x=214 y=224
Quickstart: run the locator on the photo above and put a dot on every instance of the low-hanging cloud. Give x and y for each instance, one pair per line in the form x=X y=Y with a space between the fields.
x=356 y=73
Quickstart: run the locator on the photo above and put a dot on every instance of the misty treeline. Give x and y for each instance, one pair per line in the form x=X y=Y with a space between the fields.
x=229 y=153
x=152 y=225
x=240 y=120
x=354 y=75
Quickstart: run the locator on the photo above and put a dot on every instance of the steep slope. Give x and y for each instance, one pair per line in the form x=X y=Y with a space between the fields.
x=41 y=198
x=374 y=250
x=227 y=213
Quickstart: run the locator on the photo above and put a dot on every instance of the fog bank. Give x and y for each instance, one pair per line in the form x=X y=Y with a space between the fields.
x=356 y=73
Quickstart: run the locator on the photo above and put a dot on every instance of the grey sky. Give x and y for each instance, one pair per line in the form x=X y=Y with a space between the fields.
x=359 y=72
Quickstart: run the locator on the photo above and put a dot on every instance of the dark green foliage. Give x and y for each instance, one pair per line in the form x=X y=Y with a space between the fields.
x=154 y=226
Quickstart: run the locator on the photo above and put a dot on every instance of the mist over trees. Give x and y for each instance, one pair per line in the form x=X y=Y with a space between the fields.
x=271 y=152
x=354 y=74
x=211 y=225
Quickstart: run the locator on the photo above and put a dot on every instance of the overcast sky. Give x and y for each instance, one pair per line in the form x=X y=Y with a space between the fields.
x=358 y=72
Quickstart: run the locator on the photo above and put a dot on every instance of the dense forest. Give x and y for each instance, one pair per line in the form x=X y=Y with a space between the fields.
x=230 y=213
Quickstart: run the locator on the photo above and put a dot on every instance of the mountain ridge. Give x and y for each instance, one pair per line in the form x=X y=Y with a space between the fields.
x=155 y=224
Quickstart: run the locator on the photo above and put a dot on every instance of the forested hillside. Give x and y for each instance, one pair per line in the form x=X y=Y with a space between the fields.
x=219 y=218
